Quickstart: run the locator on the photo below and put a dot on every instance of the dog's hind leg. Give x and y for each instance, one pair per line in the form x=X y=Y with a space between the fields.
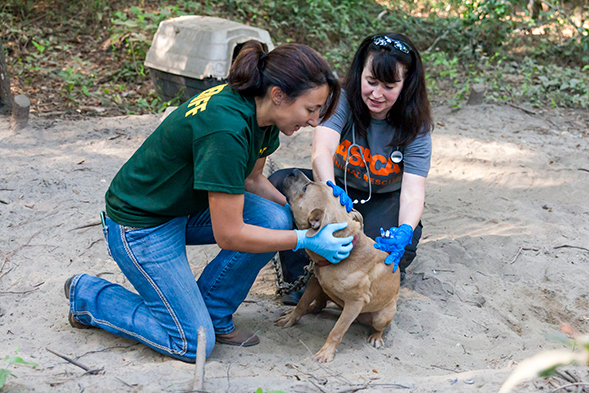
x=349 y=314
x=380 y=320
x=319 y=304
x=312 y=292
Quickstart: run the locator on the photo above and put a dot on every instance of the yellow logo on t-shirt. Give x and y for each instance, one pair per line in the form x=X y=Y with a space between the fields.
x=200 y=101
x=262 y=150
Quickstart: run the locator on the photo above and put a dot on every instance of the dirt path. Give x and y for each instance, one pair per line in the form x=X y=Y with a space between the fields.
x=503 y=262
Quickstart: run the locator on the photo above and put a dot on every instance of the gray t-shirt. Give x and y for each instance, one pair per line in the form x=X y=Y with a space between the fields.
x=385 y=175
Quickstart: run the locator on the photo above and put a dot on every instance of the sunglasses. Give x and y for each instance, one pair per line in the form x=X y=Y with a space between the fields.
x=387 y=42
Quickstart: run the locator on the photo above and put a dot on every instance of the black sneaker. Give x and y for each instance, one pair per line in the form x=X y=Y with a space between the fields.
x=292 y=298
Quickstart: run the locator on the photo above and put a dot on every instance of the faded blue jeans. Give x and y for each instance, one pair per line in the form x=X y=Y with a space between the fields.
x=171 y=304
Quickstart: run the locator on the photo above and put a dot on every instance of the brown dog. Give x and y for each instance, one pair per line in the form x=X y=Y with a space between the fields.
x=362 y=284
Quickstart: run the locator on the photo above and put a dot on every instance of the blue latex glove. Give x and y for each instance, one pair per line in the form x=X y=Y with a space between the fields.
x=394 y=241
x=332 y=248
x=344 y=199
x=289 y=211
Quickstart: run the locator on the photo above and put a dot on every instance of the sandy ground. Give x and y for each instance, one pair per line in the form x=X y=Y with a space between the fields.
x=504 y=261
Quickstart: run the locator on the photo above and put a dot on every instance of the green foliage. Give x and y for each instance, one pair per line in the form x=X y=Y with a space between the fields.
x=259 y=390
x=496 y=42
x=10 y=360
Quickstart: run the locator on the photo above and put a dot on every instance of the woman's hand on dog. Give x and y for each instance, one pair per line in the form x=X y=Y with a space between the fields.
x=344 y=199
x=332 y=248
x=394 y=241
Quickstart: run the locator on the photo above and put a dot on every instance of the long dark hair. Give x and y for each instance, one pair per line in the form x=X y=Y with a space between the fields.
x=294 y=68
x=411 y=113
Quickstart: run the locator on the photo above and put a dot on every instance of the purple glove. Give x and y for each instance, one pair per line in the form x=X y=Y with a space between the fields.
x=344 y=199
x=394 y=241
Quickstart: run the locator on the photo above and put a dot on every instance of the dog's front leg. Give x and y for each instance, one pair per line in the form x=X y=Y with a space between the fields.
x=349 y=314
x=312 y=292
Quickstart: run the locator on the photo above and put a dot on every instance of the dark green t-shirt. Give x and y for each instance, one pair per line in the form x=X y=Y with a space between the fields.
x=210 y=143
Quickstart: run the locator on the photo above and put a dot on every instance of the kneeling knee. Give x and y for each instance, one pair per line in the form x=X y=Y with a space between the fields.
x=190 y=354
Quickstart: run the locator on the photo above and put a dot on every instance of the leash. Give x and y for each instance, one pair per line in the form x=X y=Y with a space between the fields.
x=283 y=287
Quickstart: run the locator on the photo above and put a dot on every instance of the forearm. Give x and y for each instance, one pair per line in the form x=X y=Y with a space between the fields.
x=410 y=212
x=412 y=200
x=260 y=185
x=325 y=141
x=323 y=168
x=255 y=239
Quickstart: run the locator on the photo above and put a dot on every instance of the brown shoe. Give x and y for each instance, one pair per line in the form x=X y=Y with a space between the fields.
x=70 y=316
x=67 y=285
x=76 y=324
x=239 y=337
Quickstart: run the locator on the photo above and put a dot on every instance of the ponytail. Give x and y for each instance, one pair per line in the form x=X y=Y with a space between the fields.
x=245 y=75
x=294 y=68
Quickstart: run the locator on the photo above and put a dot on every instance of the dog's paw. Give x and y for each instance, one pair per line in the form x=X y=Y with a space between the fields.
x=376 y=340
x=325 y=355
x=287 y=320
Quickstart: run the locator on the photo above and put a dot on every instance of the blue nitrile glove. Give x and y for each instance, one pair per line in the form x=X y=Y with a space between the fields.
x=344 y=199
x=289 y=211
x=394 y=241
x=332 y=248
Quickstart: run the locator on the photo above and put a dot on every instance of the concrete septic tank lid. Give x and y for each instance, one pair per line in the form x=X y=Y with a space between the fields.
x=200 y=46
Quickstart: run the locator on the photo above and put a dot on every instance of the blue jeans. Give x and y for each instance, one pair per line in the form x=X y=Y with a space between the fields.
x=171 y=305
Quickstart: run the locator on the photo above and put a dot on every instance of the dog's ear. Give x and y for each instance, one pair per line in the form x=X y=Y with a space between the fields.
x=316 y=219
x=357 y=216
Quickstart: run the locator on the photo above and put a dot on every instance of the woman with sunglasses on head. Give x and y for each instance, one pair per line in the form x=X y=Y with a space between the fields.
x=375 y=150
x=197 y=179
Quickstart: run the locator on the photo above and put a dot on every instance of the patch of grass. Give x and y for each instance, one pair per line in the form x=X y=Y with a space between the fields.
x=10 y=360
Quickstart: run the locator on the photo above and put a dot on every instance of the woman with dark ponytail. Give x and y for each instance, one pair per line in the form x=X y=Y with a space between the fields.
x=197 y=179
x=375 y=150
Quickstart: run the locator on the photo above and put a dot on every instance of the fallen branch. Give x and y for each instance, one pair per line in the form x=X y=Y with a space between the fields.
x=570 y=385
x=583 y=169
x=444 y=368
x=35 y=287
x=319 y=386
x=391 y=385
x=569 y=378
x=480 y=324
x=6 y=272
x=568 y=246
x=94 y=242
x=92 y=224
x=520 y=250
x=72 y=361
x=125 y=383
x=106 y=349
x=18 y=248
x=353 y=389
x=521 y=108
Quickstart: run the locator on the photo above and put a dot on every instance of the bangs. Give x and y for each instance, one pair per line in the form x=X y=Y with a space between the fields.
x=385 y=67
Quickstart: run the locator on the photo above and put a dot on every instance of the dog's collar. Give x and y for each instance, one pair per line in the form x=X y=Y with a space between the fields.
x=325 y=262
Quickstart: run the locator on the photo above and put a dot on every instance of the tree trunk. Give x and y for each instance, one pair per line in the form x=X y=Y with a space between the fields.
x=20 y=112
x=477 y=94
x=5 y=95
